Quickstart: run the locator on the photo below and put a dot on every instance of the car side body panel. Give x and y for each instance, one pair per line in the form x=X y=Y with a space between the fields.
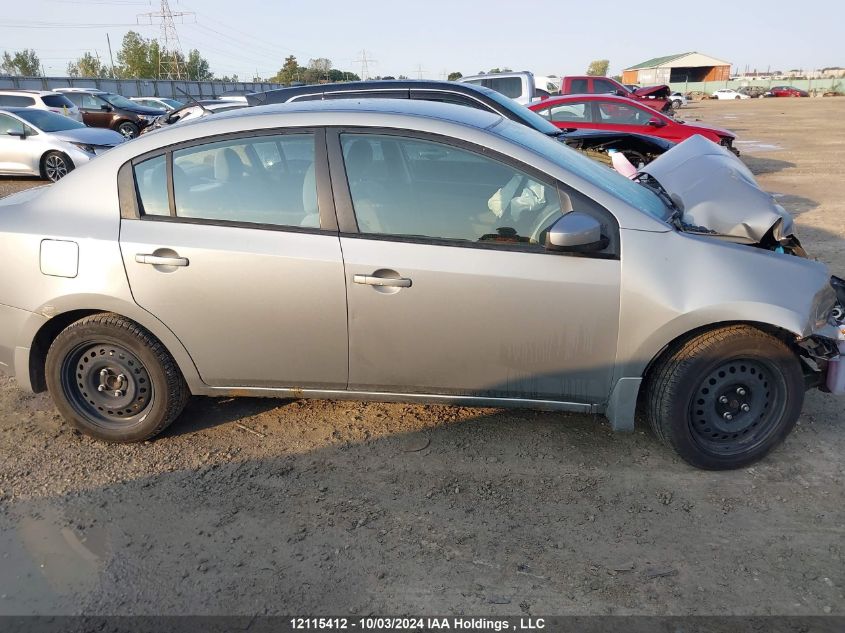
x=671 y=283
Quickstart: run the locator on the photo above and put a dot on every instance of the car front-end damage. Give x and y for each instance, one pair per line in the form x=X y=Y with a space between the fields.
x=714 y=194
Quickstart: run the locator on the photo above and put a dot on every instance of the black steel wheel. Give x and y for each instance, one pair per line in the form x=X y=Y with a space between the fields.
x=107 y=384
x=55 y=166
x=113 y=379
x=737 y=406
x=725 y=398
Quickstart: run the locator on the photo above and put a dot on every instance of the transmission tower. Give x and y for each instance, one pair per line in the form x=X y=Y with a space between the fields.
x=171 y=62
x=365 y=65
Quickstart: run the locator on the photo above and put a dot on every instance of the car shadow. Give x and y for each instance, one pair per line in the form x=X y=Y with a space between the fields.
x=760 y=165
x=204 y=413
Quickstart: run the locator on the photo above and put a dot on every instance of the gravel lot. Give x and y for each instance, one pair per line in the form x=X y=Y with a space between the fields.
x=269 y=506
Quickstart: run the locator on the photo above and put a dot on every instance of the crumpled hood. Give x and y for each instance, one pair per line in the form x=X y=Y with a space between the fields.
x=717 y=193
x=659 y=92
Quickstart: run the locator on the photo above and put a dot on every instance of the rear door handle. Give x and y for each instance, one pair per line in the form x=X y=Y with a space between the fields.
x=393 y=282
x=158 y=260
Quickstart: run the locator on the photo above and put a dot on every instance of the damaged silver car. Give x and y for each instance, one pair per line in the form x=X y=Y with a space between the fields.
x=415 y=251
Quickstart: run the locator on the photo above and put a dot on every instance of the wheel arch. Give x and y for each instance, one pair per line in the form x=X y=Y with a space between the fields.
x=626 y=395
x=41 y=335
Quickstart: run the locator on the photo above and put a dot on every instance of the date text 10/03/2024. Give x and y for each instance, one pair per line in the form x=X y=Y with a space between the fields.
x=410 y=623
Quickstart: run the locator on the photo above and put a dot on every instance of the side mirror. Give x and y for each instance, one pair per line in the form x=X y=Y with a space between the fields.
x=620 y=93
x=575 y=232
x=655 y=122
x=19 y=133
x=106 y=108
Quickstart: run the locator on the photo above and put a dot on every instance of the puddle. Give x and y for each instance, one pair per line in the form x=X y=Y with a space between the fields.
x=44 y=564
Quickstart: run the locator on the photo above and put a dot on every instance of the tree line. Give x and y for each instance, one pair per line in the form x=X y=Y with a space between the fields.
x=141 y=58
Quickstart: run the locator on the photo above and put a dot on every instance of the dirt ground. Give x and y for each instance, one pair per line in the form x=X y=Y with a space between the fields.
x=314 y=508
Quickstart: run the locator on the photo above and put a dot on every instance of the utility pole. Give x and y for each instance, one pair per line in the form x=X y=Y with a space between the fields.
x=365 y=65
x=111 y=57
x=171 y=64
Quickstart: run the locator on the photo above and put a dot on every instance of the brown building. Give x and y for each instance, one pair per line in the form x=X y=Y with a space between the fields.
x=678 y=68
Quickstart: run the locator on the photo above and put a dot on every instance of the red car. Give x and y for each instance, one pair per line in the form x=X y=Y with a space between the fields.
x=787 y=91
x=620 y=114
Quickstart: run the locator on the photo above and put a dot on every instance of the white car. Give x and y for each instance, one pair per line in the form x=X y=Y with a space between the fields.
x=729 y=93
x=677 y=100
x=35 y=142
x=41 y=100
x=161 y=103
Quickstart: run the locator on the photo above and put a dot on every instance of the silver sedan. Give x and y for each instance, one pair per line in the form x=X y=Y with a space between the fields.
x=415 y=251
x=42 y=143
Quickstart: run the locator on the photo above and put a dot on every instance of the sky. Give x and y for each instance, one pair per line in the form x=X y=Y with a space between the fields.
x=429 y=39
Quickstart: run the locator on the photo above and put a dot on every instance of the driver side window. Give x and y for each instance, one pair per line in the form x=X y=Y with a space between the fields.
x=425 y=189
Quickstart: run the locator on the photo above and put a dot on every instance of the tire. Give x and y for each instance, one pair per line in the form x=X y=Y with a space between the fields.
x=677 y=103
x=55 y=166
x=737 y=97
x=697 y=393
x=113 y=380
x=128 y=129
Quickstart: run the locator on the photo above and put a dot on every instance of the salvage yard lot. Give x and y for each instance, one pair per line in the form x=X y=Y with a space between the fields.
x=270 y=506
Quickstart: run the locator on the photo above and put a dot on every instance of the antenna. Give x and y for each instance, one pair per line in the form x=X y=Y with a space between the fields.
x=171 y=61
x=365 y=65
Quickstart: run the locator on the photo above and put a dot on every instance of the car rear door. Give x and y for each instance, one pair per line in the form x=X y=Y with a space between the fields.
x=229 y=247
x=449 y=291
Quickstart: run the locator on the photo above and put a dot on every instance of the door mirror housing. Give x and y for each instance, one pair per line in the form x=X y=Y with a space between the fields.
x=575 y=232
x=19 y=133
x=655 y=122
x=106 y=108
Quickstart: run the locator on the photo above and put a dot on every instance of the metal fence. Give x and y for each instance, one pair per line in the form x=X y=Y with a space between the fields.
x=137 y=87
x=813 y=86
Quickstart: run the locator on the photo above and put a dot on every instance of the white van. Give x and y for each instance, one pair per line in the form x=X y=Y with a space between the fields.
x=519 y=86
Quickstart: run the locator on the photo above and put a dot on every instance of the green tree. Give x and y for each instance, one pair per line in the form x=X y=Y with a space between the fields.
x=138 y=57
x=290 y=71
x=87 y=66
x=24 y=63
x=198 y=67
x=598 y=67
x=455 y=76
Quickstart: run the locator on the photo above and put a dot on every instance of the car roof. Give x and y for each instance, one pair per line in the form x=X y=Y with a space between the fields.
x=23 y=91
x=359 y=86
x=429 y=109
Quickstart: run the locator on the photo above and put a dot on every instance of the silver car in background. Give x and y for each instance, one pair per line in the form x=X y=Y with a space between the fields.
x=414 y=251
x=41 y=143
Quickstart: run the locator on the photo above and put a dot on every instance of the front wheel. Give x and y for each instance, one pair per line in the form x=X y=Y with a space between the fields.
x=128 y=129
x=55 y=166
x=114 y=380
x=677 y=103
x=724 y=399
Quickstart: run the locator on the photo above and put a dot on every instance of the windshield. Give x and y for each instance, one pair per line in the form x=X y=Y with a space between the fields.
x=521 y=113
x=119 y=102
x=172 y=103
x=599 y=175
x=47 y=121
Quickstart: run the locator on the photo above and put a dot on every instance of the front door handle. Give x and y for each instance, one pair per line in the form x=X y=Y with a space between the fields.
x=392 y=282
x=158 y=260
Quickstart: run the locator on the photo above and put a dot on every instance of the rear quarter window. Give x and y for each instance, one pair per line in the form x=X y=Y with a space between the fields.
x=57 y=101
x=19 y=101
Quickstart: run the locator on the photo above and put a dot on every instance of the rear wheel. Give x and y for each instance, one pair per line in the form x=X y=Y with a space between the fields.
x=55 y=166
x=737 y=97
x=114 y=380
x=725 y=398
x=128 y=129
x=677 y=103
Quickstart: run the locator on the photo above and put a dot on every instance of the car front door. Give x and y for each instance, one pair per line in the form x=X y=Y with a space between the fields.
x=628 y=117
x=18 y=154
x=229 y=248
x=449 y=290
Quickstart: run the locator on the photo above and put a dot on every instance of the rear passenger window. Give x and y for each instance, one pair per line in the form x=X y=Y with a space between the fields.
x=264 y=180
x=508 y=86
x=17 y=101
